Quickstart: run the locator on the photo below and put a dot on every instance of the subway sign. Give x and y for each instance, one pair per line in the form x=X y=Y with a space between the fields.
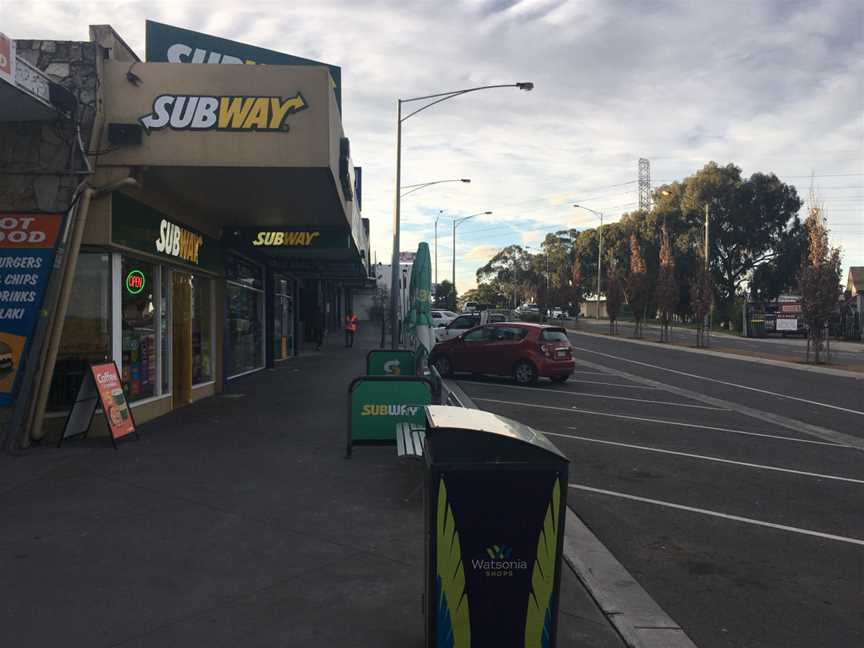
x=298 y=238
x=223 y=113
x=178 y=242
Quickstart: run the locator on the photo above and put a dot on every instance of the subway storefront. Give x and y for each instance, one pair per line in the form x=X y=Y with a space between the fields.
x=227 y=237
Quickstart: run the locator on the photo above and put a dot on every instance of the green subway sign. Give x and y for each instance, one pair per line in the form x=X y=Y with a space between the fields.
x=378 y=404
x=390 y=362
x=169 y=44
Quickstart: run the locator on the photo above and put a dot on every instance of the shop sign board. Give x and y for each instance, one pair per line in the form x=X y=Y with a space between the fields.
x=28 y=243
x=379 y=403
x=169 y=44
x=101 y=385
x=7 y=59
x=142 y=228
x=222 y=113
x=310 y=238
x=390 y=362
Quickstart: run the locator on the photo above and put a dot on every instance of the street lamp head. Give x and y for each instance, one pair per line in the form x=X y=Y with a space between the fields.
x=488 y=213
x=465 y=180
x=525 y=85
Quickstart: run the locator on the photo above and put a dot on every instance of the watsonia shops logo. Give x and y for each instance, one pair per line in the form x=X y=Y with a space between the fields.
x=498 y=562
x=224 y=113
x=389 y=410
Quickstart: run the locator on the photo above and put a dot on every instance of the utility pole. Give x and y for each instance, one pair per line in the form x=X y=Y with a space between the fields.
x=440 y=213
x=599 y=261
x=707 y=273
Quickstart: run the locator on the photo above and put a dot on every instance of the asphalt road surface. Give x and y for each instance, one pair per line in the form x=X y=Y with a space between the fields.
x=733 y=491
x=844 y=355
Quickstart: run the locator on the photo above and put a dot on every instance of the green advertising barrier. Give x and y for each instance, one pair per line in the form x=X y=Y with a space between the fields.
x=376 y=404
x=391 y=362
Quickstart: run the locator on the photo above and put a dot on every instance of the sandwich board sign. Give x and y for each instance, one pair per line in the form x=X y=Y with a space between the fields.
x=101 y=385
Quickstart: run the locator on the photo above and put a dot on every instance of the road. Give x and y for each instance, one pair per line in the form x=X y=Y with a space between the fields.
x=844 y=355
x=733 y=491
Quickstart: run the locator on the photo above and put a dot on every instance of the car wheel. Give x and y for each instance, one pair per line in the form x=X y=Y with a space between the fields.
x=561 y=379
x=442 y=364
x=525 y=373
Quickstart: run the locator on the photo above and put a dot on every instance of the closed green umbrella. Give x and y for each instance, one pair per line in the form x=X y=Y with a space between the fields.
x=419 y=320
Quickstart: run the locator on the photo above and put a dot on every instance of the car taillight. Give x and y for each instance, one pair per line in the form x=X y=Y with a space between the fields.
x=546 y=350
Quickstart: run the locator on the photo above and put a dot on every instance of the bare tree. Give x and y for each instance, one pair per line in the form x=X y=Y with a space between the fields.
x=614 y=299
x=637 y=288
x=701 y=297
x=820 y=283
x=666 y=293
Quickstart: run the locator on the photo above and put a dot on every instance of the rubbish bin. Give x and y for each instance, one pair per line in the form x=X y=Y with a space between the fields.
x=496 y=498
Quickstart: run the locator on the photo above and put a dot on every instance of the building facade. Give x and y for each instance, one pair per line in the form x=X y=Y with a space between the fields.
x=210 y=213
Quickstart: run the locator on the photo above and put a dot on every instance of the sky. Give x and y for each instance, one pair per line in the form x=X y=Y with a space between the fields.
x=771 y=86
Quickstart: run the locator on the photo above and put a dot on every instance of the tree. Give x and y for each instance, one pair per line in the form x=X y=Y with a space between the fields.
x=747 y=220
x=820 y=283
x=445 y=296
x=637 y=286
x=509 y=273
x=614 y=298
x=701 y=298
x=577 y=285
x=666 y=293
x=782 y=275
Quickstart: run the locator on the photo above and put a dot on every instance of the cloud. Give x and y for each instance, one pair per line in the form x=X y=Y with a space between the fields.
x=481 y=253
x=771 y=86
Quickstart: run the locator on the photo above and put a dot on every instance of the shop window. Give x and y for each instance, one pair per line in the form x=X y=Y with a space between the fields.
x=138 y=328
x=202 y=330
x=245 y=329
x=86 y=333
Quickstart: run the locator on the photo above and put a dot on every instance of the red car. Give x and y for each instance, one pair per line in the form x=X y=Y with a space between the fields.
x=524 y=351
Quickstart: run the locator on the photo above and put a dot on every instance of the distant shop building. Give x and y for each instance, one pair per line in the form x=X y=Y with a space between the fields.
x=212 y=219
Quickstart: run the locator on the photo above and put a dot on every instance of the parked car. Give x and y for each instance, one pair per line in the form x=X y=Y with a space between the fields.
x=458 y=326
x=441 y=318
x=525 y=351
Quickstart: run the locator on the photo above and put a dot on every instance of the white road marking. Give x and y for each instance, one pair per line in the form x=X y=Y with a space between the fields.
x=592 y=373
x=587 y=395
x=705 y=457
x=592 y=382
x=727 y=516
x=679 y=423
x=724 y=382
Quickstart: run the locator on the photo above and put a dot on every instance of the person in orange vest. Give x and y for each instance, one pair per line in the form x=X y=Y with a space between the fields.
x=350 y=328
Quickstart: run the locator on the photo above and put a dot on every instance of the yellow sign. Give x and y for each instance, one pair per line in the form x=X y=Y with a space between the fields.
x=178 y=242
x=286 y=239
x=225 y=113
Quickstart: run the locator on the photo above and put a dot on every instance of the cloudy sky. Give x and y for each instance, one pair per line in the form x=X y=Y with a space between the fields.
x=772 y=86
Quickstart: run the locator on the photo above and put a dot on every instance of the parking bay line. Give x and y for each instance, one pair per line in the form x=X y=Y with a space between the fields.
x=706 y=458
x=727 y=516
x=570 y=393
x=724 y=382
x=605 y=384
x=678 y=423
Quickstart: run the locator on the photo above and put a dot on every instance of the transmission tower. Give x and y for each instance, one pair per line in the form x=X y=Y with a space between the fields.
x=644 y=185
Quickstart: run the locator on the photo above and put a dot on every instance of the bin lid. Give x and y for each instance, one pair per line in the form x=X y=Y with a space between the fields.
x=489 y=436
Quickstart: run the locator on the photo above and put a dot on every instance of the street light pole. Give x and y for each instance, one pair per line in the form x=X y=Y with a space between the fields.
x=394 y=270
x=423 y=185
x=431 y=101
x=707 y=270
x=599 y=252
x=456 y=222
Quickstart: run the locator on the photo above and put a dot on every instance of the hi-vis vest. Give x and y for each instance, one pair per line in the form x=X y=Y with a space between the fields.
x=351 y=323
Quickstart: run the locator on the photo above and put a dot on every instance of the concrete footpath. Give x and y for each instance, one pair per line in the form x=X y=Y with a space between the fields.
x=235 y=521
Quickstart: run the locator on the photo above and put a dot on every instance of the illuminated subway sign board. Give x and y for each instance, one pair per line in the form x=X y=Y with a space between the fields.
x=285 y=239
x=224 y=113
x=178 y=242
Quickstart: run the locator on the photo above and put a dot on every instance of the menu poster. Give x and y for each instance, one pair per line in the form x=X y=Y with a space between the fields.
x=102 y=385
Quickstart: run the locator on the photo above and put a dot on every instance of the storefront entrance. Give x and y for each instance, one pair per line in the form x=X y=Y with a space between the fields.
x=181 y=335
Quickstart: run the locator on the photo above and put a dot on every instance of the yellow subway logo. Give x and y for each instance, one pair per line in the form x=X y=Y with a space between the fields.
x=389 y=410
x=285 y=239
x=224 y=113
